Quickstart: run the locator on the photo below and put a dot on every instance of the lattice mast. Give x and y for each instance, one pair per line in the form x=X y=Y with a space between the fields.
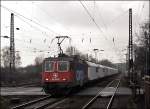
x=130 y=58
x=12 y=44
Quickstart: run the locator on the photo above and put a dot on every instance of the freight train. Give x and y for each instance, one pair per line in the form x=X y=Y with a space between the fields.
x=63 y=73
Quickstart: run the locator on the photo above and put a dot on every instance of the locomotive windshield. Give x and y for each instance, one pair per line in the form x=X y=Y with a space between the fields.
x=49 y=66
x=63 y=66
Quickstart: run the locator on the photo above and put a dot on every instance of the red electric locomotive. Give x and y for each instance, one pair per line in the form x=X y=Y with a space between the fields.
x=62 y=73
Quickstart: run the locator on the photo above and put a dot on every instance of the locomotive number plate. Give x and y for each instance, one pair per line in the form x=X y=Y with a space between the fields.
x=55 y=76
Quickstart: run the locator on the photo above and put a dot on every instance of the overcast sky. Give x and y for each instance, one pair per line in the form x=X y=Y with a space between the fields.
x=41 y=21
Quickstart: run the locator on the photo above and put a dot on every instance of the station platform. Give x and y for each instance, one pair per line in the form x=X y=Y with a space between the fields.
x=106 y=92
x=6 y=91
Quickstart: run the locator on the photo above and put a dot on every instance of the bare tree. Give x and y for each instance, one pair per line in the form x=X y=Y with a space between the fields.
x=38 y=60
x=106 y=63
x=38 y=65
x=72 y=51
x=6 y=57
x=17 y=59
x=140 y=50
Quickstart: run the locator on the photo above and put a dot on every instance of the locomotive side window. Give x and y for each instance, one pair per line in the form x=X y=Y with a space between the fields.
x=63 y=66
x=49 y=66
x=97 y=69
x=103 y=69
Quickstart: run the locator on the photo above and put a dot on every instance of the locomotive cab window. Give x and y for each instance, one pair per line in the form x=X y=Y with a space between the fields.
x=49 y=66
x=63 y=66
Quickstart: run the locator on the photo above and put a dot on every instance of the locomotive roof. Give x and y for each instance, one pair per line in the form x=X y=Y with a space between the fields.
x=92 y=64
x=59 y=58
x=65 y=58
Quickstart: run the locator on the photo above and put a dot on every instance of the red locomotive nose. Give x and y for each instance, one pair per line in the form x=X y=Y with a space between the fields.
x=58 y=72
x=58 y=77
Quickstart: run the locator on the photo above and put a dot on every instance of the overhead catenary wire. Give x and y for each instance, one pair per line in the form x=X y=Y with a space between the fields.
x=96 y=23
x=92 y=18
x=42 y=33
x=35 y=50
x=30 y=19
x=115 y=19
x=16 y=13
x=29 y=42
x=31 y=48
x=36 y=28
x=21 y=16
x=32 y=53
x=106 y=28
x=52 y=17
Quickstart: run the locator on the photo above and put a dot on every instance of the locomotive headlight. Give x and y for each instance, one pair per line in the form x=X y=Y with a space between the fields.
x=64 y=79
x=46 y=79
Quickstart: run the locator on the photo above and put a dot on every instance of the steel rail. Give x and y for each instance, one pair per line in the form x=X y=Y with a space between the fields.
x=30 y=102
x=50 y=103
x=27 y=84
x=93 y=99
x=112 y=97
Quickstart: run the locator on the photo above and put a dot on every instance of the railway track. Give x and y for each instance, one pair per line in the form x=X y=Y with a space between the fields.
x=39 y=103
x=86 y=102
x=30 y=103
x=100 y=93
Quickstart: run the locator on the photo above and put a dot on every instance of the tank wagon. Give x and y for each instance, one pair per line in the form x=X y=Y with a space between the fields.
x=61 y=74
